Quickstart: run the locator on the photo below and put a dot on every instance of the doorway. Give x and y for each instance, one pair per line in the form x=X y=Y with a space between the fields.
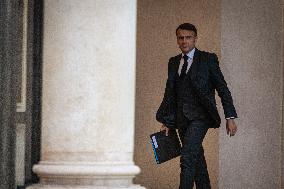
x=20 y=114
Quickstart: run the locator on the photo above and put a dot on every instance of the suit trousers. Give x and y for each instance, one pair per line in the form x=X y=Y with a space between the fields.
x=192 y=161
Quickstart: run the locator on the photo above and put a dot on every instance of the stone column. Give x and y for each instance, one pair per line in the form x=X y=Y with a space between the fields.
x=88 y=95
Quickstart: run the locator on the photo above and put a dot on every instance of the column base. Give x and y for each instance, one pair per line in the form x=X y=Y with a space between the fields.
x=82 y=175
x=41 y=186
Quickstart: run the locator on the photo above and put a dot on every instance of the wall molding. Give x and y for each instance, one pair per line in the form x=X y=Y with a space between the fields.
x=21 y=106
x=20 y=154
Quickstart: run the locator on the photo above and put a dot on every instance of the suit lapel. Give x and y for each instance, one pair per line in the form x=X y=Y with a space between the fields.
x=193 y=71
x=177 y=62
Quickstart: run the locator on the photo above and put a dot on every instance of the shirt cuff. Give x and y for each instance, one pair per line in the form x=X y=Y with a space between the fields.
x=230 y=117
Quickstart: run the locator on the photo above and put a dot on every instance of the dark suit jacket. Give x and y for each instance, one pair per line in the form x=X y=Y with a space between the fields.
x=206 y=76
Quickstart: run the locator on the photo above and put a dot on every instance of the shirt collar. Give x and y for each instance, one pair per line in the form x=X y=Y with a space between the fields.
x=190 y=53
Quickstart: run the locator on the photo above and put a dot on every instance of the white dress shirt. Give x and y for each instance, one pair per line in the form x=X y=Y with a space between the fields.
x=190 y=55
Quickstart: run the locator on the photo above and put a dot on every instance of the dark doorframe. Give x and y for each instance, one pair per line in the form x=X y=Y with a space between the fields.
x=33 y=130
x=36 y=90
x=10 y=57
x=9 y=54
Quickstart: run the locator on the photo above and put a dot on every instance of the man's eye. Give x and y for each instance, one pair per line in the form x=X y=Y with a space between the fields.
x=184 y=37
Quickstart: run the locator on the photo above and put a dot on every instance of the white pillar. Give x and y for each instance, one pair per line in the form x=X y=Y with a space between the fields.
x=88 y=95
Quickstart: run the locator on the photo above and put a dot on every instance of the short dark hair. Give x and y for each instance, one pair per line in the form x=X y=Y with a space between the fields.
x=187 y=26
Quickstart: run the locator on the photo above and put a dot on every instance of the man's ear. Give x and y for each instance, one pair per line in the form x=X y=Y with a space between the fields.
x=195 y=39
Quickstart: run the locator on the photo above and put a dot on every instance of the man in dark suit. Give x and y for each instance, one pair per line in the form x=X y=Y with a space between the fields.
x=189 y=104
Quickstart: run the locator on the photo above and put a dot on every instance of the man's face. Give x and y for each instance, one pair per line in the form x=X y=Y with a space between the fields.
x=186 y=40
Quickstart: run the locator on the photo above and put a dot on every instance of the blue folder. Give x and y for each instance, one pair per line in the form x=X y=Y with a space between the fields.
x=165 y=147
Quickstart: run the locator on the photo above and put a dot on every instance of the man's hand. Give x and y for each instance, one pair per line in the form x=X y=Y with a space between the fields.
x=231 y=127
x=164 y=128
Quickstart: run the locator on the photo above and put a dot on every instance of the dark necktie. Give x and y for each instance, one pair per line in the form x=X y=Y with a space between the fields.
x=184 y=67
